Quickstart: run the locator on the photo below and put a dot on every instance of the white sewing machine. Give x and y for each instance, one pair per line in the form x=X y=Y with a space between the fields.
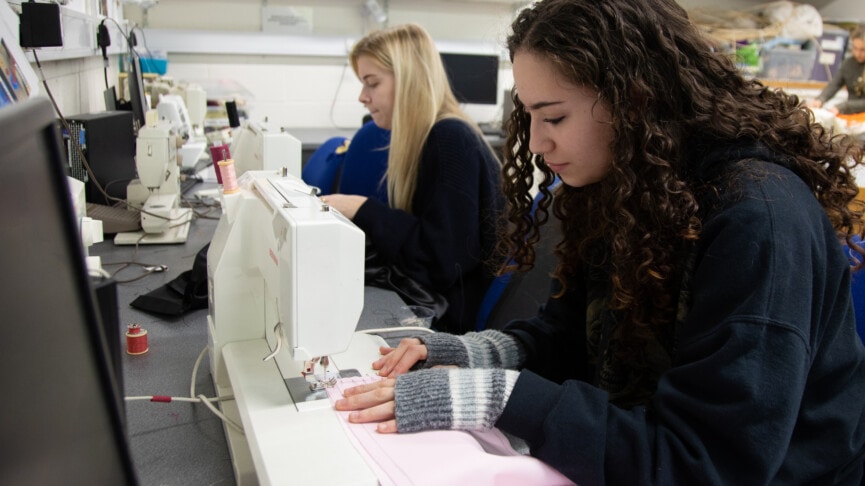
x=173 y=109
x=90 y=229
x=262 y=146
x=156 y=192
x=286 y=287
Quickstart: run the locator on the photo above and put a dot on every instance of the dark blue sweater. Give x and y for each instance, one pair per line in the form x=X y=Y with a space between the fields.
x=767 y=383
x=447 y=240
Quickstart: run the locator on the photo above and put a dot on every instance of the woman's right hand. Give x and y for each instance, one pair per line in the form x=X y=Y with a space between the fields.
x=399 y=360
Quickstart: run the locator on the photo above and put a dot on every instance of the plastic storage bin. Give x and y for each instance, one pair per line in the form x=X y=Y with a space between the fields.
x=154 y=65
x=789 y=64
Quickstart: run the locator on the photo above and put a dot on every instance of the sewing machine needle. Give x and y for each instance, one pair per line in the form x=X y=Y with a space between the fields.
x=325 y=361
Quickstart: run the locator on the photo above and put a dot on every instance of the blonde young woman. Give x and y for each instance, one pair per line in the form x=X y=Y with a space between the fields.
x=443 y=179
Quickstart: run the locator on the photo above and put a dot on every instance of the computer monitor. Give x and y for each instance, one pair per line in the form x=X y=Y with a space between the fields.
x=474 y=78
x=61 y=416
x=137 y=96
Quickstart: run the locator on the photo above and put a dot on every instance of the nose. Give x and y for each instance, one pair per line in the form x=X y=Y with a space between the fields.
x=363 y=97
x=539 y=142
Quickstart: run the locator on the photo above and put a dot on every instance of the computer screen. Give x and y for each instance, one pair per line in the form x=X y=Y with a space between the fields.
x=474 y=78
x=137 y=97
x=61 y=416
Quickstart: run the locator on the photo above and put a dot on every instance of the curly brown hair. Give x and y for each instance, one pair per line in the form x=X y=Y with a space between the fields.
x=667 y=86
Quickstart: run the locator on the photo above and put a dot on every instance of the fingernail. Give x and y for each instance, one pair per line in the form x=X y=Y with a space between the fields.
x=352 y=416
x=340 y=402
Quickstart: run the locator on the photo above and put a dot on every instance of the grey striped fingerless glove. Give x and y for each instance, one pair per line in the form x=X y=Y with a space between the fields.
x=486 y=349
x=452 y=398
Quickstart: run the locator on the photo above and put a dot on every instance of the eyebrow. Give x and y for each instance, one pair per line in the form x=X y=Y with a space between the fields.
x=544 y=104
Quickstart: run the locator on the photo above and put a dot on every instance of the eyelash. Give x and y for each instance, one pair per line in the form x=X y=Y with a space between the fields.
x=554 y=121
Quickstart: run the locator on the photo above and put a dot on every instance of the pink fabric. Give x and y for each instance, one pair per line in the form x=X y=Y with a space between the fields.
x=442 y=457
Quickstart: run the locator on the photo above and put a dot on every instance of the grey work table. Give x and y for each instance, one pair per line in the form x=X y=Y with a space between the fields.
x=180 y=443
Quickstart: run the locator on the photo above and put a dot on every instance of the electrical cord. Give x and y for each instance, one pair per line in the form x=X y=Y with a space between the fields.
x=143 y=39
x=149 y=268
x=208 y=208
x=193 y=397
x=335 y=96
x=98 y=272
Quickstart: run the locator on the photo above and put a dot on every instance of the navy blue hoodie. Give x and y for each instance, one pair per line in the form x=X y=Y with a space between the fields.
x=767 y=379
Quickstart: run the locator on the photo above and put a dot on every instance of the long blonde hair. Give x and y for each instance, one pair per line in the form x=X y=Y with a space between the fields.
x=422 y=97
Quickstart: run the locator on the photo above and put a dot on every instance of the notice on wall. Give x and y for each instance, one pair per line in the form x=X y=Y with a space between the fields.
x=286 y=20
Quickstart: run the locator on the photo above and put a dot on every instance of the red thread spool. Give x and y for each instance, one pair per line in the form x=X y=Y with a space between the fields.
x=229 y=178
x=136 y=340
x=218 y=153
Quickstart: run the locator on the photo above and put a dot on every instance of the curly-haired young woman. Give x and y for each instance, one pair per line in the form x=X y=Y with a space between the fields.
x=700 y=327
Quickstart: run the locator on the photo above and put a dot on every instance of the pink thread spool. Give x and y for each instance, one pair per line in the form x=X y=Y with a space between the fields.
x=229 y=178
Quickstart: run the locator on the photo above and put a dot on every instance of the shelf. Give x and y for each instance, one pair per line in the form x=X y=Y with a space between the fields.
x=265 y=43
x=789 y=84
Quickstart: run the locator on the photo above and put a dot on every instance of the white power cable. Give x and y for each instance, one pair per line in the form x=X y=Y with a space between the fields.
x=193 y=398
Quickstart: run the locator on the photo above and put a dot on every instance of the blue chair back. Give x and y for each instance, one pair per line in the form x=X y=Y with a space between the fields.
x=365 y=164
x=857 y=287
x=322 y=170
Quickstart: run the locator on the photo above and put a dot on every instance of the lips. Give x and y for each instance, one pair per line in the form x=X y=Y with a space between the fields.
x=555 y=167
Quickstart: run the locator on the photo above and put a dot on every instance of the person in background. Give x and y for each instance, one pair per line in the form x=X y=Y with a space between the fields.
x=444 y=190
x=699 y=328
x=851 y=75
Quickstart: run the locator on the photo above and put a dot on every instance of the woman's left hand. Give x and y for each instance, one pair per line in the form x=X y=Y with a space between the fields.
x=371 y=402
x=346 y=204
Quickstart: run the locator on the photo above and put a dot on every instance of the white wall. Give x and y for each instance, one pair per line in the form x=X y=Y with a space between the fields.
x=303 y=84
x=77 y=84
x=291 y=92
x=313 y=90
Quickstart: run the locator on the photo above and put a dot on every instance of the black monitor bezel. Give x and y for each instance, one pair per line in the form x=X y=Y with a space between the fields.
x=62 y=419
x=137 y=95
x=474 y=78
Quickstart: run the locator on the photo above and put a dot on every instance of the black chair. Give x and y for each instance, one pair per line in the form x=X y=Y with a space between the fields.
x=517 y=295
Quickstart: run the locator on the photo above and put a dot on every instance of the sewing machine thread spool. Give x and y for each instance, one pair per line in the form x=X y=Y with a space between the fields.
x=136 y=340
x=229 y=177
x=219 y=153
